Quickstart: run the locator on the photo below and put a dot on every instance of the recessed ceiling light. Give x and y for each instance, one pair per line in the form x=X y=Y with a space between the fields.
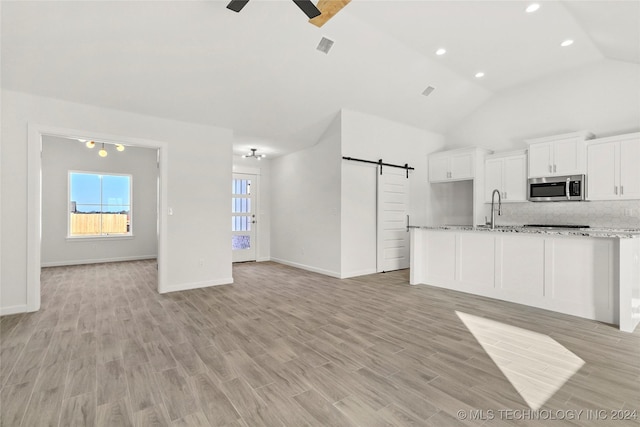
x=566 y=43
x=441 y=51
x=532 y=7
x=479 y=75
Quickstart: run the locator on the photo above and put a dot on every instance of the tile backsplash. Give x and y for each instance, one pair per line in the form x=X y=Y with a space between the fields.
x=615 y=214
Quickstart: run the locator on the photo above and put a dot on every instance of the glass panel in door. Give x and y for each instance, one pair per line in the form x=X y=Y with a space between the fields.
x=243 y=218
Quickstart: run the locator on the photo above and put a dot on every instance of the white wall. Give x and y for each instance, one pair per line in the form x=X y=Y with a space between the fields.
x=199 y=188
x=369 y=137
x=602 y=97
x=305 y=206
x=1 y=145
x=61 y=155
x=261 y=168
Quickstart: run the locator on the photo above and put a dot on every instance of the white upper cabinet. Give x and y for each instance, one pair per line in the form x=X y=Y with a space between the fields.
x=613 y=168
x=601 y=171
x=439 y=167
x=540 y=160
x=506 y=172
x=454 y=165
x=462 y=165
x=630 y=168
x=515 y=178
x=493 y=171
x=558 y=155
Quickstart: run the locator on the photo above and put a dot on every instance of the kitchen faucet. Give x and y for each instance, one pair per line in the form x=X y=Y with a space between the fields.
x=493 y=210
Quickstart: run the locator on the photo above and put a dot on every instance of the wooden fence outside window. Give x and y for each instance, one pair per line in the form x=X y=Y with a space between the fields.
x=97 y=224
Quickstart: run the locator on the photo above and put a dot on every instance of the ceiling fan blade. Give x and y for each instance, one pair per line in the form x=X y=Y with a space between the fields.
x=308 y=8
x=237 y=5
x=328 y=8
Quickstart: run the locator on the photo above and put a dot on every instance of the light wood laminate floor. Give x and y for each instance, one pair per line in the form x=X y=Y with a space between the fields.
x=286 y=347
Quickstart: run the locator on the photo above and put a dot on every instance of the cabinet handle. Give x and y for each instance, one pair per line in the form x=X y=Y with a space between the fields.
x=621 y=190
x=615 y=189
x=554 y=168
x=550 y=168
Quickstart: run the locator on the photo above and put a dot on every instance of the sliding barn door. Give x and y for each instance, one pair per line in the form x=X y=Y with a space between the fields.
x=392 y=219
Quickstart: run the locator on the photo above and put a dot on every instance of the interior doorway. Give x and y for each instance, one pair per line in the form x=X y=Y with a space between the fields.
x=35 y=194
x=392 y=219
x=244 y=222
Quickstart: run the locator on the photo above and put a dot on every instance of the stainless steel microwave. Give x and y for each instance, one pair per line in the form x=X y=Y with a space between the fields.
x=556 y=189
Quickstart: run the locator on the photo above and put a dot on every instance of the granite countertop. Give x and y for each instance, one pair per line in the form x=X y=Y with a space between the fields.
x=620 y=233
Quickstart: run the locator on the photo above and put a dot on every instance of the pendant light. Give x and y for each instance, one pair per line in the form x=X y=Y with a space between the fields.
x=103 y=152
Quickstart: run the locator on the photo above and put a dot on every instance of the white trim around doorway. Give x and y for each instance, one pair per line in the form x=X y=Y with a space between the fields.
x=34 y=200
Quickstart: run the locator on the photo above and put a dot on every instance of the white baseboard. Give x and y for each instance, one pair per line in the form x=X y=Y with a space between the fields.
x=359 y=273
x=13 y=309
x=263 y=259
x=97 y=261
x=307 y=267
x=198 y=285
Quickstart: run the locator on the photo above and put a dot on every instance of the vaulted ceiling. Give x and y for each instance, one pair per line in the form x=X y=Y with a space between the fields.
x=258 y=71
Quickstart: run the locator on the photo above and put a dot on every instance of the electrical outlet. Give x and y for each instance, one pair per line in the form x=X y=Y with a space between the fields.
x=629 y=212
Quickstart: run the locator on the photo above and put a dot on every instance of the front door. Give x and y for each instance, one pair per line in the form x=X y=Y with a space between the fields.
x=243 y=217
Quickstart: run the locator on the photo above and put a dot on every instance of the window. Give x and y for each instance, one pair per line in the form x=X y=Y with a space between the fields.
x=100 y=204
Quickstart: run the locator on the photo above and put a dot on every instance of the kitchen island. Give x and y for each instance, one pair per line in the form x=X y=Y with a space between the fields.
x=591 y=273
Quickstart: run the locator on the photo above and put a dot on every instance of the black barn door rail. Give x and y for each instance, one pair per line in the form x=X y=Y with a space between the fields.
x=381 y=163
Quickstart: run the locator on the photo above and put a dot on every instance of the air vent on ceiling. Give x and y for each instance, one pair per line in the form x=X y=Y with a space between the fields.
x=325 y=45
x=428 y=90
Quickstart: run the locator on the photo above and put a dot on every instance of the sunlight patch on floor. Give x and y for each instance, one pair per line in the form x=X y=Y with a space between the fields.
x=536 y=365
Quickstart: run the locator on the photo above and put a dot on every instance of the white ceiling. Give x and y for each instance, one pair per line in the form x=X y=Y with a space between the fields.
x=258 y=71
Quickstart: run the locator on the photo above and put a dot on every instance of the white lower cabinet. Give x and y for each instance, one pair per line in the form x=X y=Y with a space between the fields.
x=572 y=275
x=520 y=266
x=579 y=276
x=441 y=256
x=476 y=260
